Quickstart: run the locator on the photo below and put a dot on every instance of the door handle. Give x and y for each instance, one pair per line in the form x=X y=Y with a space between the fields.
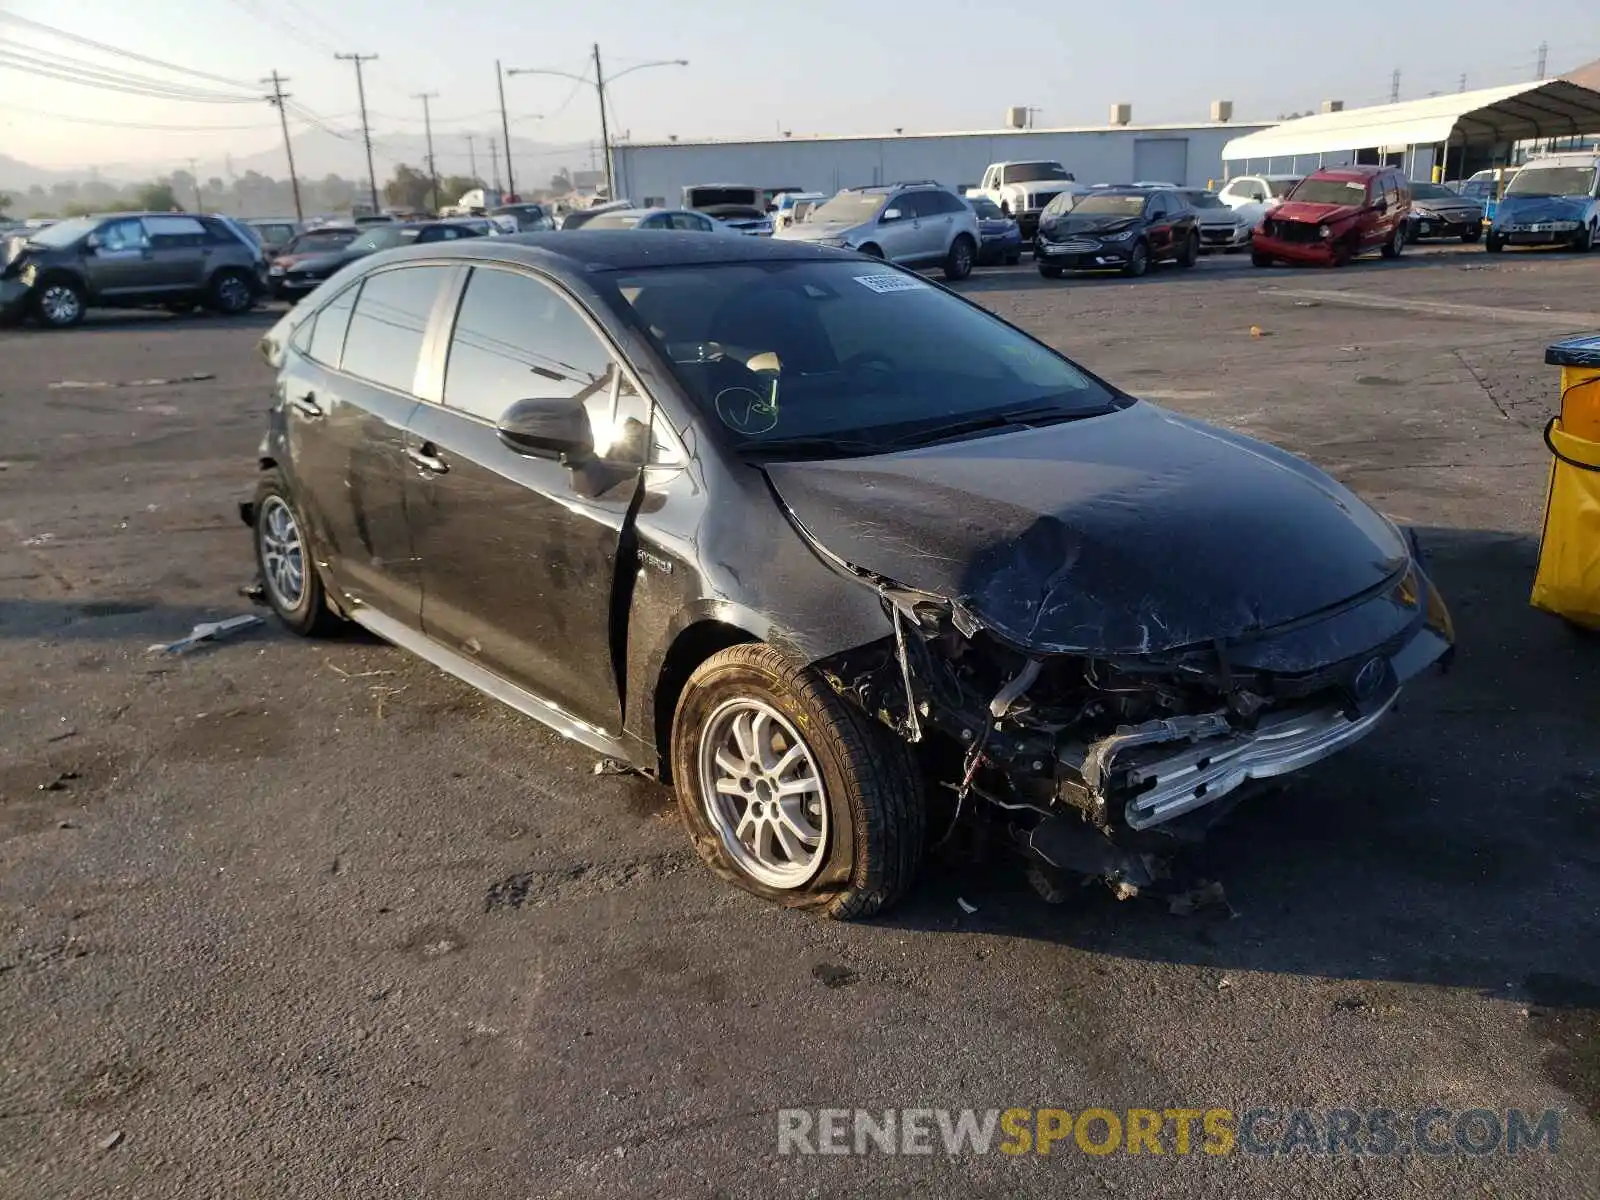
x=307 y=405
x=427 y=457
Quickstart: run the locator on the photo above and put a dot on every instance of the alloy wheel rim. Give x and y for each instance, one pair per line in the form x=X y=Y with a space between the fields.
x=59 y=303
x=763 y=793
x=963 y=257
x=233 y=294
x=282 y=554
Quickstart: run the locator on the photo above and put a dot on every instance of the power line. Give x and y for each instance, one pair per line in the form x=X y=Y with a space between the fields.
x=10 y=60
x=67 y=64
x=118 y=51
x=54 y=116
x=284 y=27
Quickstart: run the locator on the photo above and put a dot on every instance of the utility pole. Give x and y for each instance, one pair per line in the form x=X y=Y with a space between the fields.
x=427 y=126
x=194 y=174
x=1463 y=86
x=605 y=132
x=1394 y=87
x=494 y=163
x=472 y=155
x=276 y=100
x=1544 y=57
x=366 y=130
x=505 y=129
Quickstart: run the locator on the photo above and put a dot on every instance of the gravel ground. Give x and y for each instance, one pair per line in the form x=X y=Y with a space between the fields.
x=283 y=918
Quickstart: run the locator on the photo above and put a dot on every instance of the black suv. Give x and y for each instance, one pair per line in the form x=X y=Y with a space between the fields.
x=132 y=260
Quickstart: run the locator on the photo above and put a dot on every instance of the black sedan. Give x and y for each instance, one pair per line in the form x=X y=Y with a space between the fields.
x=1116 y=229
x=294 y=275
x=1438 y=212
x=841 y=556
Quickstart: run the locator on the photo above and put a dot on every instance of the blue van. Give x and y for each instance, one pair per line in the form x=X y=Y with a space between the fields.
x=1552 y=201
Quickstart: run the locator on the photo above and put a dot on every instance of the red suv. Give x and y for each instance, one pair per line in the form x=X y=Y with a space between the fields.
x=1334 y=214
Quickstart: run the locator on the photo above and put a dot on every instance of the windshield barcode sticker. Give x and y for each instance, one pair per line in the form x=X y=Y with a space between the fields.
x=890 y=283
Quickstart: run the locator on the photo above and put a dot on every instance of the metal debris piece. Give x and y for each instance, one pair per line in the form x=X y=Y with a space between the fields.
x=111 y=1140
x=611 y=766
x=62 y=736
x=969 y=909
x=254 y=592
x=79 y=385
x=59 y=783
x=207 y=631
x=39 y=539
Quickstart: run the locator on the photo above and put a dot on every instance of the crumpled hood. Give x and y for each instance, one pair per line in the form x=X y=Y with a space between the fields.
x=1532 y=209
x=1313 y=214
x=1137 y=531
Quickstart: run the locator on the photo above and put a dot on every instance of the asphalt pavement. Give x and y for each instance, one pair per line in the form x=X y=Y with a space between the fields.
x=302 y=919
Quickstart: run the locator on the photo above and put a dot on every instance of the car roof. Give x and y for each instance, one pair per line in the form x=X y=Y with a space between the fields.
x=598 y=250
x=1350 y=172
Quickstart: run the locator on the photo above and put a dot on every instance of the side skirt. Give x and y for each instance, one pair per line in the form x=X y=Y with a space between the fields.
x=490 y=684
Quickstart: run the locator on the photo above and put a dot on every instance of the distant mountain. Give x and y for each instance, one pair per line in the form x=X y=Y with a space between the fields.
x=17 y=176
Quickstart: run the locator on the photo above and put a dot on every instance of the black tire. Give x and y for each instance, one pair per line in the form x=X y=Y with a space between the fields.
x=1468 y=236
x=309 y=614
x=1138 y=260
x=1013 y=258
x=1396 y=245
x=1344 y=252
x=59 y=302
x=1190 y=254
x=958 y=262
x=231 y=293
x=872 y=251
x=1258 y=259
x=1493 y=243
x=1049 y=270
x=876 y=817
x=180 y=308
x=1583 y=241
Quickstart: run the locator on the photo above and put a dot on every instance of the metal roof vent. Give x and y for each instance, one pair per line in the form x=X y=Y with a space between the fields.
x=1332 y=106
x=1222 y=110
x=1121 y=114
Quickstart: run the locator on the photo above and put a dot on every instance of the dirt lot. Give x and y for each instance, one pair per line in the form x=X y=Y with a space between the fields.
x=285 y=918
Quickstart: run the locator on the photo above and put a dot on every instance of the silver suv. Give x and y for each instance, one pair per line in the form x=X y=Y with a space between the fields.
x=915 y=224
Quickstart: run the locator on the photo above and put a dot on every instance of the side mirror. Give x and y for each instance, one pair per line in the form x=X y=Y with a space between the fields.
x=548 y=427
x=891 y=214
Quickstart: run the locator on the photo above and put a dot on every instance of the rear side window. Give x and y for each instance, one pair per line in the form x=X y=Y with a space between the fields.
x=326 y=343
x=175 y=232
x=384 y=341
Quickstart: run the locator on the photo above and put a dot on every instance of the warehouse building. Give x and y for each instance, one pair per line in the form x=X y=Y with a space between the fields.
x=1118 y=152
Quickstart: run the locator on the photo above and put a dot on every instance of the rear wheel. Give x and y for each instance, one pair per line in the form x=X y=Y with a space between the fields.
x=59 y=303
x=1584 y=240
x=1013 y=258
x=1396 y=243
x=1049 y=270
x=1469 y=236
x=287 y=567
x=958 y=262
x=1190 y=254
x=1138 y=260
x=1258 y=259
x=1493 y=243
x=791 y=792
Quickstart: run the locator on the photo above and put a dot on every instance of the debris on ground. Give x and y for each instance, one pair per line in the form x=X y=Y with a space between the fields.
x=59 y=783
x=111 y=1140
x=969 y=909
x=1308 y=303
x=338 y=670
x=80 y=385
x=39 y=539
x=1207 y=895
x=62 y=736
x=1257 y=331
x=831 y=976
x=255 y=592
x=208 y=631
x=612 y=766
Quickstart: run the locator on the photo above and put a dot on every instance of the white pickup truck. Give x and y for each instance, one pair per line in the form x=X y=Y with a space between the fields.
x=1022 y=189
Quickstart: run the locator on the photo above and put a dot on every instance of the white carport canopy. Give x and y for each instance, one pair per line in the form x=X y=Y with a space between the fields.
x=1487 y=116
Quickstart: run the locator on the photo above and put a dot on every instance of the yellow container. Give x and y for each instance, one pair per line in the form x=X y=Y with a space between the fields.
x=1568 y=579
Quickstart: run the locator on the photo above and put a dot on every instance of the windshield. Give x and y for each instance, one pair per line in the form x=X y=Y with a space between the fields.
x=1061 y=202
x=383 y=239
x=1552 y=181
x=1201 y=198
x=849 y=208
x=1030 y=172
x=776 y=352
x=1114 y=204
x=64 y=233
x=1330 y=191
x=985 y=208
x=321 y=241
x=1432 y=191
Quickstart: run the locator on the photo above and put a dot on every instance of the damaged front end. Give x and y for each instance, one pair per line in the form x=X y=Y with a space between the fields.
x=1105 y=763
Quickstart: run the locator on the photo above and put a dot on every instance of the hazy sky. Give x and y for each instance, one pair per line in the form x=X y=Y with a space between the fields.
x=756 y=66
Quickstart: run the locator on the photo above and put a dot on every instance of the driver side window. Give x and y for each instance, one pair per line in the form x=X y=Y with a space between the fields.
x=125 y=234
x=517 y=338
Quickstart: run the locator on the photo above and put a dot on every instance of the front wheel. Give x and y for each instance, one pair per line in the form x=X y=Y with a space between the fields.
x=1190 y=254
x=791 y=792
x=872 y=251
x=1468 y=236
x=1493 y=243
x=1049 y=270
x=231 y=293
x=1258 y=259
x=1584 y=240
x=958 y=262
x=1138 y=261
x=1396 y=243
x=59 y=304
x=284 y=558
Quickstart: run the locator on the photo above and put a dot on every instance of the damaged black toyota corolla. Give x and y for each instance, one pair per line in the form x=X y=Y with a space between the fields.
x=818 y=542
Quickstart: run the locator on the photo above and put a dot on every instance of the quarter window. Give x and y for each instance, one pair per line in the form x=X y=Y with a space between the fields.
x=386 y=331
x=325 y=343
